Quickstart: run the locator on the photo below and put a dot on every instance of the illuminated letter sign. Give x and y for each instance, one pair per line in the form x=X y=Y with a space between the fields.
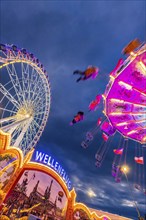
x=51 y=162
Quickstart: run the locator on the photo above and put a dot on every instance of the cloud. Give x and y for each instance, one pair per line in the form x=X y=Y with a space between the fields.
x=128 y=203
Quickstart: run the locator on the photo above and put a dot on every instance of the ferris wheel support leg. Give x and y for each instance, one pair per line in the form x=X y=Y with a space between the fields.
x=13 y=129
x=14 y=124
x=7 y=119
x=20 y=137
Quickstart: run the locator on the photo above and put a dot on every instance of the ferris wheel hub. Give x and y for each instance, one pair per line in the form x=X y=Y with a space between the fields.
x=25 y=112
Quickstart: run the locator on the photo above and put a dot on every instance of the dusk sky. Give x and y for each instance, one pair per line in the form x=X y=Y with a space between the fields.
x=70 y=35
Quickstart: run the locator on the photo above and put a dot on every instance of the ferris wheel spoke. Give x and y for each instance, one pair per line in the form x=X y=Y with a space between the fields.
x=35 y=87
x=29 y=136
x=6 y=94
x=31 y=133
x=40 y=94
x=8 y=110
x=25 y=79
x=15 y=82
x=39 y=127
x=36 y=124
x=37 y=103
x=34 y=133
x=30 y=88
x=4 y=111
x=39 y=113
x=32 y=128
x=38 y=86
x=34 y=76
x=39 y=100
x=39 y=90
x=36 y=118
x=39 y=110
x=28 y=83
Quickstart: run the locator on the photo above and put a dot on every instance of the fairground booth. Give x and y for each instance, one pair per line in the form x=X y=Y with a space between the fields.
x=40 y=189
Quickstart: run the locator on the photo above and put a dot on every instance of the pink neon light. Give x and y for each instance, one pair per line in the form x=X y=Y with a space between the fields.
x=126 y=99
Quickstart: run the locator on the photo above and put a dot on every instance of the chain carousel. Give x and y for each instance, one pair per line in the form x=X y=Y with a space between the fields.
x=124 y=111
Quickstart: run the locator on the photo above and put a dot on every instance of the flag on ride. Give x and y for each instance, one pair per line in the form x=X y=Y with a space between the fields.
x=99 y=121
x=118 y=151
x=119 y=64
x=139 y=160
x=94 y=104
x=105 y=136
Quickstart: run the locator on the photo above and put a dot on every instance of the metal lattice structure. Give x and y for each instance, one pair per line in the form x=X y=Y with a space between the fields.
x=25 y=96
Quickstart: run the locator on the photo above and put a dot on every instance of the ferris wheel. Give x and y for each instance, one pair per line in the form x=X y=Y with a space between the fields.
x=25 y=96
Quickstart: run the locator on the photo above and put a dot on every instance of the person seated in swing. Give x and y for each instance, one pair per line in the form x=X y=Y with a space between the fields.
x=90 y=72
x=77 y=118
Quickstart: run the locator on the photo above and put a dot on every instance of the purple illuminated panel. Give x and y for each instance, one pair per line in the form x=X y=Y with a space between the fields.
x=125 y=95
